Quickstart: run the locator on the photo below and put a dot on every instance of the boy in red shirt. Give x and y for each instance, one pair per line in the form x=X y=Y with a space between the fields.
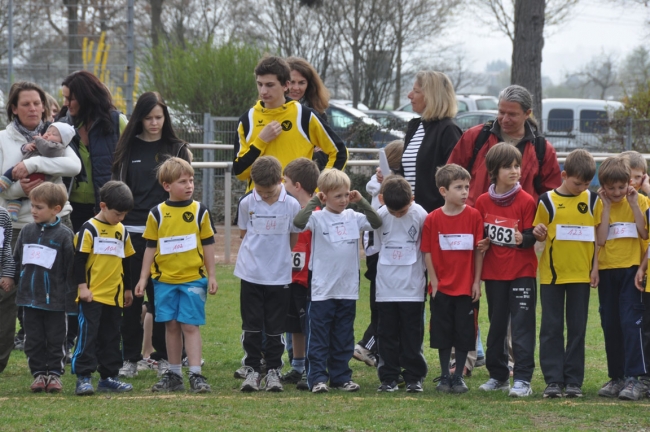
x=449 y=240
x=509 y=271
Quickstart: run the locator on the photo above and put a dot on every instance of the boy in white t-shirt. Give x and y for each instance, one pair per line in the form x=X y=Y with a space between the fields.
x=401 y=287
x=335 y=279
x=264 y=267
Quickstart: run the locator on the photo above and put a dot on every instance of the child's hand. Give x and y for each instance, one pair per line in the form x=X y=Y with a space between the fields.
x=30 y=147
x=380 y=176
x=483 y=245
x=540 y=232
x=476 y=291
x=632 y=196
x=645 y=184
x=212 y=286
x=138 y=291
x=639 y=279
x=519 y=237
x=85 y=294
x=128 y=298
x=603 y=197
x=7 y=283
x=355 y=196
x=594 y=279
x=434 y=288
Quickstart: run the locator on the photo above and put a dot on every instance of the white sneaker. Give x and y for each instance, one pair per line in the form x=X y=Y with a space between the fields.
x=320 y=387
x=241 y=372
x=163 y=366
x=364 y=355
x=272 y=381
x=128 y=369
x=493 y=385
x=520 y=389
x=147 y=364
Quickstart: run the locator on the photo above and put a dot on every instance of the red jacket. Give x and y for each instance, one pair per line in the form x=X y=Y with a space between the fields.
x=462 y=154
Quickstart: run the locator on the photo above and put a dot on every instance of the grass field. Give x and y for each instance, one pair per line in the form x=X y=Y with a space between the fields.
x=228 y=409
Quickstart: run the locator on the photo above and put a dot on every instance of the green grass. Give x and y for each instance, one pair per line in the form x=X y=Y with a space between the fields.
x=228 y=409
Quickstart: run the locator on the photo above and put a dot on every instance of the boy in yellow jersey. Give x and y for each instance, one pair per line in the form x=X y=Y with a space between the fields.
x=101 y=245
x=180 y=260
x=281 y=127
x=566 y=219
x=620 y=234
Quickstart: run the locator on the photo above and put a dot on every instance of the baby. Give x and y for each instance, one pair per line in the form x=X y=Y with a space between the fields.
x=51 y=144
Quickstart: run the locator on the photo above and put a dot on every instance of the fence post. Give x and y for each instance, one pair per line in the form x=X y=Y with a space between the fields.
x=628 y=134
x=227 y=202
x=208 y=156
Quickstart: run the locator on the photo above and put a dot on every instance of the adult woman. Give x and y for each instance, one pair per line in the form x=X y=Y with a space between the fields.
x=430 y=138
x=146 y=142
x=515 y=126
x=27 y=111
x=98 y=123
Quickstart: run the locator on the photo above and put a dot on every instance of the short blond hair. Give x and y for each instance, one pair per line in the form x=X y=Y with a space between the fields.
x=393 y=151
x=50 y=194
x=635 y=160
x=172 y=169
x=439 y=95
x=331 y=179
x=614 y=170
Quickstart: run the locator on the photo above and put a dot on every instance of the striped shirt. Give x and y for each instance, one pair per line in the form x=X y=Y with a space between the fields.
x=7 y=264
x=410 y=155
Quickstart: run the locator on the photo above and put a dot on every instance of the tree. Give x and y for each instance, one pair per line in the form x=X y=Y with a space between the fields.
x=635 y=71
x=599 y=75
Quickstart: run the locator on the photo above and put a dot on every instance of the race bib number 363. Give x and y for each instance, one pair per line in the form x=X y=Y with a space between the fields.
x=500 y=230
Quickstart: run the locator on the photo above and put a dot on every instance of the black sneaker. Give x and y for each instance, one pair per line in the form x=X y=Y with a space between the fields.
x=573 y=391
x=170 y=381
x=458 y=384
x=302 y=384
x=553 y=391
x=198 y=384
x=292 y=377
x=414 y=387
x=480 y=362
x=387 y=386
x=444 y=384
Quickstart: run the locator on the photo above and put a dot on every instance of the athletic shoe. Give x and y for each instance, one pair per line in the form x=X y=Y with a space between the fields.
x=444 y=384
x=573 y=391
x=480 y=362
x=302 y=384
x=198 y=384
x=19 y=343
x=170 y=381
x=163 y=366
x=364 y=355
x=494 y=384
x=520 y=389
x=147 y=364
x=186 y=362
x=252 y=381
x=553 y=391
x=634 y=390
x=414 y=387
x=388 y=386
x=241 y=372
x=320 y=387
x=128 y=370
x=84 y=386
x=39 y=384
x=458 y=384
x=272 y=381
x=612 y=388
x=54 y=384
x=349 y=386
x=113 y=385
x=292 y=377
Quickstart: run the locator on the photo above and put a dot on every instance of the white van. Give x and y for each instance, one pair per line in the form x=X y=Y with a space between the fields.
x=577 y=123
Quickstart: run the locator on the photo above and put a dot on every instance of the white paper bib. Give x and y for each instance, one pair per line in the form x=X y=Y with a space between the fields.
x=108 y=246
x=456 y=241
x=340 y=231
x=622 y=230
x=39 y=255
x=397 y=255
x=177 y=244
x=575 y=233
x=500 y=230
x=298 y=260
x=271 y=224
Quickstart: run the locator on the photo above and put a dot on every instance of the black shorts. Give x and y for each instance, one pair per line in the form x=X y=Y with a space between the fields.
x=295 y=322
x=453 y=322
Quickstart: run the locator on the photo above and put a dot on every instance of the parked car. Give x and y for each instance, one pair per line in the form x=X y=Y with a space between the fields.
x=467 y=103
x=358 y=129
x=347 y=102
x=391 y=119
x=470 y=119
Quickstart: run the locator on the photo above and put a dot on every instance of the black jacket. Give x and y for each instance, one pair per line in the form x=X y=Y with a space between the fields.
x=440 y=137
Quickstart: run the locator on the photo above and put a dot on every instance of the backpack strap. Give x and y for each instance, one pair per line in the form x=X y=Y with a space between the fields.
x=540 y=153
x=481 y=139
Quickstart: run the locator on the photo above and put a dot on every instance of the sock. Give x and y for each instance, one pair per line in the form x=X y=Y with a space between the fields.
x=176 y=368
x=196 y=370
x=298 y=364
x=13 y=207
x=445 y=356
x=5 y=183
x=461 y=357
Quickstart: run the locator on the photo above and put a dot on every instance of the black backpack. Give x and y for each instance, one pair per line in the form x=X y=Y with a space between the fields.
x=540 y=151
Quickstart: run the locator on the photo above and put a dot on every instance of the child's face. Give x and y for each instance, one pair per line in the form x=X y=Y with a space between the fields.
x=509 y=176
x=457 y=193
x=182 y=189
x=110 y=216
x=269 y=194
x=337 y=200
x=636 y=178
x=399 y=213
x=52 y=134
x=44 y=214
x=290 y=186
x=574 y=185
x=153 y=122
x=271 y=90
x=616 y=191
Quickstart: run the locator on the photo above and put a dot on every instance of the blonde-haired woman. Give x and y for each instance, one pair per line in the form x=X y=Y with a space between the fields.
x=430 y=138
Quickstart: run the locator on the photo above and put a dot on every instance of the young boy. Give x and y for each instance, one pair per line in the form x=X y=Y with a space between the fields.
x=180 y=260
x=300 y=179
x=264 y=267
x=623 y=225
x=401 y=287
x=509 y=271
x=45 y=252
x=450 y=237
x=335 y=279
x=566 y=219
x=101 y=245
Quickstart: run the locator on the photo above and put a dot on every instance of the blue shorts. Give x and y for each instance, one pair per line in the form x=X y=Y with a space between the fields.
x=184 y=302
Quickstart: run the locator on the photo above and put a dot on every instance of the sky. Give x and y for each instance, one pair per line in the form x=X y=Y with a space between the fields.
x=594 y=26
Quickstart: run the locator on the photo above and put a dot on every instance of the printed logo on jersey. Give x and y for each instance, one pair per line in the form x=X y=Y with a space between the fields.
x=560 y=206
x=188 y=216
x=287 y=125
x=118 y=235
x=582 y=207
x=260 y=123
x=412 y=232
x=168 y=215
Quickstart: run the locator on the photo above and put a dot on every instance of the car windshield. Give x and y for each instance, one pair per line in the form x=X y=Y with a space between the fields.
x=486 y=104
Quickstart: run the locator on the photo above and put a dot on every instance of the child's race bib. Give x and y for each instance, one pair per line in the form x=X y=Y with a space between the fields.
x=298 y=260
x=271 y=224
x=177 y=244
x=108 y=246
x=575 y=233
x=500 y=230
x=456 y=241
x=397 y=255
x=39 y=255
x=622 y=230
x=340 y=231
